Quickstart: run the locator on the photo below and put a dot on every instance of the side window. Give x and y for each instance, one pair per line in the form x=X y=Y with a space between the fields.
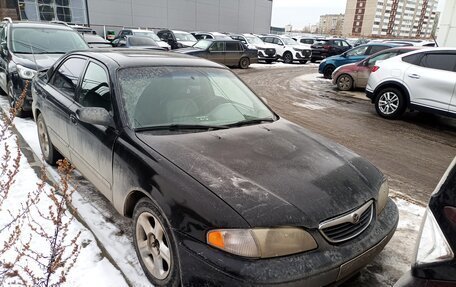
x=66 y=78
x=338 y=43
x=376 y=49
x=446 y=62
x=268 y=40
x=360 y=51
x=232 y=46
x=277 y=41
x=125 y=32
x=413 y=59
x=345 y=44
x=383 y=56
x=217 y=47
x=95 y=90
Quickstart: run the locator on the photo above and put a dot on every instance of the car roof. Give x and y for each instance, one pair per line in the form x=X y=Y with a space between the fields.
x=42 y=25
x=140 y=58
x=139 y=30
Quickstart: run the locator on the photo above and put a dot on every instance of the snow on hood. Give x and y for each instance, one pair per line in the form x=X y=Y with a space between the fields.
x=280 y=166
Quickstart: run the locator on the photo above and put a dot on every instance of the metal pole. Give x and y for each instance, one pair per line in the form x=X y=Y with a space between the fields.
x=87 y=12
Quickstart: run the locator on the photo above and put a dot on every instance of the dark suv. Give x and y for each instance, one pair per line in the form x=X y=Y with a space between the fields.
x=27 y=47
x=324 y=48
x=177 y=39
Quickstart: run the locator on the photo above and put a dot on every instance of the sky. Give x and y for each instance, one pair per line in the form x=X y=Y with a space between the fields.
x=300 y=13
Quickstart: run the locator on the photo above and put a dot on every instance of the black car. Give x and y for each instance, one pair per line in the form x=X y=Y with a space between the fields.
x=324 y=48
x=222 y=191
x=136 y=42
x=177 y=39
x=435 y=262
x=27 y=47
x=228 y=52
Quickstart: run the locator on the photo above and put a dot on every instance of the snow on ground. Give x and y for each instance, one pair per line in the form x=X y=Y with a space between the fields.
x=118 y=245
x=91 y=262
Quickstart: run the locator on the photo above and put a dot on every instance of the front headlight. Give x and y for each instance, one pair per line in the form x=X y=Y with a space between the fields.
x=262 y=242
x=25 y=73
x=432 y=245
x=382 y=196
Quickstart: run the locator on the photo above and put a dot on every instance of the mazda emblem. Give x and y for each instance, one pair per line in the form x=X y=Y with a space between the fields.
x=355 y=218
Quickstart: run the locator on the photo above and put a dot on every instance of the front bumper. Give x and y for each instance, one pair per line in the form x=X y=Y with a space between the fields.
x=303 y=55
x=263 y=56
x=19 y=88
x=408 y=280
x=206 y=266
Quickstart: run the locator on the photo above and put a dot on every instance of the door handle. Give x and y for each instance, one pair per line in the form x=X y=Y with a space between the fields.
x=414 y=76
x=73 y=119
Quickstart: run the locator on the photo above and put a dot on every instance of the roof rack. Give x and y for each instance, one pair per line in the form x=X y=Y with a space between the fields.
x=59 y=22
x=7 y=19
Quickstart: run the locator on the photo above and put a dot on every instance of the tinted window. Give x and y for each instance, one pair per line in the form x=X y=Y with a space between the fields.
x=66 y=78
x=217 y=47
x=376 y=49
x=412 y=59
x=307 y=41
x=277 y=41
x=268 y=40
x=382 y=56
x=95 y=88
x=445 y=62
x=232 y=46
x=360 y=51
x=125 y=32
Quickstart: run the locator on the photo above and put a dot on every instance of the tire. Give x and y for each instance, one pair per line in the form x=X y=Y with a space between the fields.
x=328 y=72
x=313 y=60
x=12 y=101
x=288 y=58
x=50 y=154
x=344 y=82
x=303 y=62
x=269 y=61
x=244 y=63
x=158 y=252
x=390 y=103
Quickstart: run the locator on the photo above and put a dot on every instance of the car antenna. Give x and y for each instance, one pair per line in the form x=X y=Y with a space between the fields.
x=435 y=41
x=33 y=55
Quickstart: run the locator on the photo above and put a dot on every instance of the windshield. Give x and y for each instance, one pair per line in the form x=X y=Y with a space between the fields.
x=254 y=40
x=202 y=44
x=182 y=36
x=147 y=34
x=141 y=41
x=158 y=96
x=289 y=41
x=46 y=41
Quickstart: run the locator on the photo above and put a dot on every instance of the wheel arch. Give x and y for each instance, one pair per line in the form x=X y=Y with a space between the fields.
x=130 y=201
x=393 y=84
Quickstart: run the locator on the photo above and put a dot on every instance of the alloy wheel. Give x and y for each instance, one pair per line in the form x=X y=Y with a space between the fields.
x=153 y=245
x=388 y=103
x=43 y=138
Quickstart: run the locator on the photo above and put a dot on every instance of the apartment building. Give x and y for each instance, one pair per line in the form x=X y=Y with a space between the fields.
x=331 y=24
x=390 y=18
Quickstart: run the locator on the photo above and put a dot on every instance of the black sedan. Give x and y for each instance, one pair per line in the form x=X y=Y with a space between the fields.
x=435 y=264
x=222 y=191
x=227 y=52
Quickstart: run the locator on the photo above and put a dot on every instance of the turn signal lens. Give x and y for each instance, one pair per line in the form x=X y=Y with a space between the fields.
x=262 y=242
x=375 y=69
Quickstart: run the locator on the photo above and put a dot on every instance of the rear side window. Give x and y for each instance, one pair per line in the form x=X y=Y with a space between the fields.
x=217 y=47
x=66 y=78
x=446 y=62
x=268 y=40
x=413 y=59
x=232 y=46
x=95 y=90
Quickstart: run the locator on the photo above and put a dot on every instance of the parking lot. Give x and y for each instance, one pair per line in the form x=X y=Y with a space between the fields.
x=413 y=152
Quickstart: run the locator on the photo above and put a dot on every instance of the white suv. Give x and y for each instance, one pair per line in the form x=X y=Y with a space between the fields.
x=420 y=80
x=288 y=49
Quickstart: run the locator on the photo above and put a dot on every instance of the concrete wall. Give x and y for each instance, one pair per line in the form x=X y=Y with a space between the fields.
x=446 y=36
x=207 y=15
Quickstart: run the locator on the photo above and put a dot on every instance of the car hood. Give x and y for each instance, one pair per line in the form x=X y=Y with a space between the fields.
x=37 y=61
x=263 y=46
x=188 y=50
x=273 y=174
x=163 y=44
x=187 y=43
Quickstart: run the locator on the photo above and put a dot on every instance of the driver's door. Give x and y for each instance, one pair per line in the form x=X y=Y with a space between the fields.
x=91 y=145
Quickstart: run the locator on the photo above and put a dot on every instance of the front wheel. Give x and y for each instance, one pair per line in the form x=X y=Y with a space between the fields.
x=244 y=63
x=155 y=245
x=288 y=58
x=50 y=154
x=390 y=103
x=327 y=73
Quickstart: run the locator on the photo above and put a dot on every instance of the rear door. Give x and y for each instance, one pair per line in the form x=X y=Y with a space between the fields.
x=233 y=53
x=432 y=81
x=59 y=97
x=216 y=52
x=91 y=145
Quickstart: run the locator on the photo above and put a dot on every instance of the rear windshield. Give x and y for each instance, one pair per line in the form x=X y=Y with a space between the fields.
x=46 y=41
x=141 y=41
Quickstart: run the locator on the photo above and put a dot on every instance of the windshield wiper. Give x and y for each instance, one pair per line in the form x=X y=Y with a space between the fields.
x=176 y=127
x=252 y=122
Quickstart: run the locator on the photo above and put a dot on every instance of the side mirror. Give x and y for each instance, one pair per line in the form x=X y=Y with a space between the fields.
x=95 y=116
